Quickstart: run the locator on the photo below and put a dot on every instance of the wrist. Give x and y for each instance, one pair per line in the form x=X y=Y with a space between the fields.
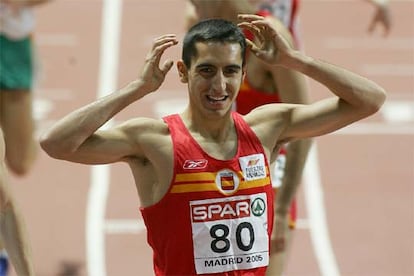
x=296 y=60
x=137 y=87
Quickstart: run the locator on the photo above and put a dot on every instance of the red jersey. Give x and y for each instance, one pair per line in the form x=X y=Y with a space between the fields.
x=217 y=216
x=250 y=98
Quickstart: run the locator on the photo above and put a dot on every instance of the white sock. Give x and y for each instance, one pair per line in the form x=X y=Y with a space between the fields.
x=3 y=253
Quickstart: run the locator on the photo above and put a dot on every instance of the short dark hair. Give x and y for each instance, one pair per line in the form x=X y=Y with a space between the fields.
x=212 y=30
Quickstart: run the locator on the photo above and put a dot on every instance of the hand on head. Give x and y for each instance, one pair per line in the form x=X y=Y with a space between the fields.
x=152 y=74
x=269 y=45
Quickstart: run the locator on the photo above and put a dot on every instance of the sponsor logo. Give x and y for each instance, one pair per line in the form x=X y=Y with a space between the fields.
x=221 y=210
x=258 y=207
x=253 y=162
x=195 y=164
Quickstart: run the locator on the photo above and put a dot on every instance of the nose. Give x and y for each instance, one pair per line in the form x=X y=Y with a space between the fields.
x=219 y=82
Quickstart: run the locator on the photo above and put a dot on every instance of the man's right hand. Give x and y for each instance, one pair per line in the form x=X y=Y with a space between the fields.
x=152 y=76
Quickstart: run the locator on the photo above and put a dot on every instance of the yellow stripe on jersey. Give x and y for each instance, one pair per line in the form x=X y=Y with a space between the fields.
x=192 y=177
x=198 y=187
x=211 y=186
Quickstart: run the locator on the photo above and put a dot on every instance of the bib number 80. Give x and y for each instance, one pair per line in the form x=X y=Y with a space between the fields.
x=221 y=243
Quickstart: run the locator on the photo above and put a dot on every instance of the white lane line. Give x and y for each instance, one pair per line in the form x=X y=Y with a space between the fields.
x=398 y=111
x=41 y=108
x=99 y=186
x=316 y=216
x=124 y=226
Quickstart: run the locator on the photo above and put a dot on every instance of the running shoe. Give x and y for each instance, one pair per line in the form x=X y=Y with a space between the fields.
x=4 y=265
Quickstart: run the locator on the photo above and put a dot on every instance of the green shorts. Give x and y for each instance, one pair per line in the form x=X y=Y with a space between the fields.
x=16 y=64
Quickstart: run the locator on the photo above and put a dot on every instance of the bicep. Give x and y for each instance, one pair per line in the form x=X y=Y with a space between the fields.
x=103 y=147
x=319 y=118
x=291 y=85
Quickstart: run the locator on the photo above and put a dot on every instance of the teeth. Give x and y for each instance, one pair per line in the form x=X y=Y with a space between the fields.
x=217 y=98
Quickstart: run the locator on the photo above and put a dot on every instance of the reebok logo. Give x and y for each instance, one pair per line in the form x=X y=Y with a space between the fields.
x=195 y=164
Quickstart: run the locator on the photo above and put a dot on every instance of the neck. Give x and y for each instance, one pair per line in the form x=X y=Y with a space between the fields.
x=216 y=128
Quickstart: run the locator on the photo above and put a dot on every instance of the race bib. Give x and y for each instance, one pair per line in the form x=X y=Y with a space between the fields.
x=230 y=233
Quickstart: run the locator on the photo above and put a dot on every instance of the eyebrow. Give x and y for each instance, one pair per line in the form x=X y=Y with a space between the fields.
x=233 y=66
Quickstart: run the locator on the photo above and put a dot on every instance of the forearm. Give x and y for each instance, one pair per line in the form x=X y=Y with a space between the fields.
x=72 y=130
x=14 y=237
x=295 y=162
x=363 y=94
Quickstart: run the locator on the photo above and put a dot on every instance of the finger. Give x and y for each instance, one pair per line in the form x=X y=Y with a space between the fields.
x=264 y=29
x=160 y=49
x=250 y=17
x=253 y=48
x=255 y=30
x=163 y=40
x=167 y=66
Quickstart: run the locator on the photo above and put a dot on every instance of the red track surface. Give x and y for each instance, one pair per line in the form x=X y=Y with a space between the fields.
x=367 y=177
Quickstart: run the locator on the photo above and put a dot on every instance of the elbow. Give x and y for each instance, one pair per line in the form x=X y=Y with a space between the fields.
x=54 y=148
x=377 y=101
x=373 y=103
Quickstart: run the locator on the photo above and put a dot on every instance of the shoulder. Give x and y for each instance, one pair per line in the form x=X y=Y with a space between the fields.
x=148 y=137
x=270 y=121
x=269 y=112
x=143 y=126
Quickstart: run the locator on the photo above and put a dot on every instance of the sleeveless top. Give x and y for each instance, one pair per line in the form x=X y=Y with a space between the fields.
x=16 y=24
x=217 y=216
x=250 y=98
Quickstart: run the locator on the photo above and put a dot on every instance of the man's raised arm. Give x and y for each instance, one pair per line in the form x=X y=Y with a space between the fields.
x=77 y=129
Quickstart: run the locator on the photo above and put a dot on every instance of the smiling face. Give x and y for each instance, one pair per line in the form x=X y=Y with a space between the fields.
x=214 y=77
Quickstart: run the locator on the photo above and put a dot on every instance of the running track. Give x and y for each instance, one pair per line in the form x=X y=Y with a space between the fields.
x=356 y=203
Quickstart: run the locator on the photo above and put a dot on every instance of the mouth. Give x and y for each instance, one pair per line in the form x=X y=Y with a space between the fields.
x=216 y=99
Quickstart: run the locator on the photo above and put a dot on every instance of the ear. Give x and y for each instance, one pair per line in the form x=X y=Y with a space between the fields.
x=182 y=71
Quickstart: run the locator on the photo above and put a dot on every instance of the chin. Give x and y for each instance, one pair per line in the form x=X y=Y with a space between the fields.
x=218 y=113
